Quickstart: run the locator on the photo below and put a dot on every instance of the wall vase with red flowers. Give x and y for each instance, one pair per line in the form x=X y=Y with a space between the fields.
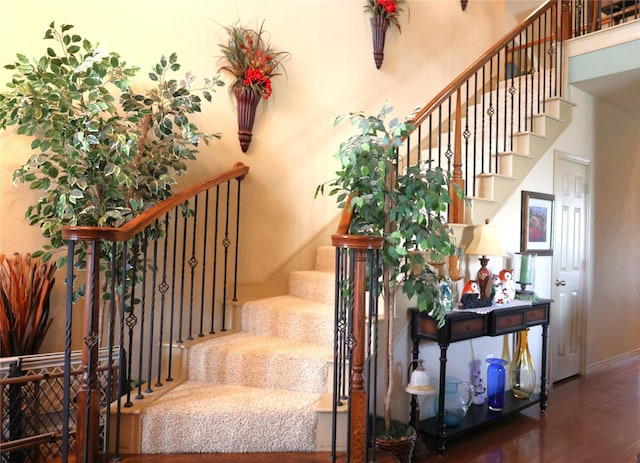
x=247 y=100
x=383 y=13
x=379 y=26
x=249 y=57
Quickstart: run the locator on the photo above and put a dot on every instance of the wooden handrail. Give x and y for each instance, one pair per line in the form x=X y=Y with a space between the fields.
x=140 y=222
x=456 y=213
x=459 y=81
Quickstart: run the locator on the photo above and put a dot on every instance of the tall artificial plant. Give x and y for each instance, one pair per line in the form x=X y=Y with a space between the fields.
x=102 y=152
x=405 y=206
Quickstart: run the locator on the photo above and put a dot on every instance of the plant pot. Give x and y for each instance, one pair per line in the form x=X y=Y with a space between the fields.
x=379 y=26
x=247 y=100
x=401 y=441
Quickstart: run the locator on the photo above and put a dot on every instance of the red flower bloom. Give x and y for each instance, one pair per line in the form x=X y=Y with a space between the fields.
x=249 y=57
x=389 y=6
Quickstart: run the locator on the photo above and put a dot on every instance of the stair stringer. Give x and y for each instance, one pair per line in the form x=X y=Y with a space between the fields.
x=493 y=190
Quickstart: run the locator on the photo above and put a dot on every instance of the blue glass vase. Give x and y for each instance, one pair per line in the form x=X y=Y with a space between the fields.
x=495 y=383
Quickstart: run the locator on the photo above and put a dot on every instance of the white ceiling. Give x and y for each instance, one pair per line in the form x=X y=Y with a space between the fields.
x=621 y=90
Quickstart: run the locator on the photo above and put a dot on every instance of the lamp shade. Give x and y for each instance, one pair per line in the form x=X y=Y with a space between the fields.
x=420 y=383
x=485 y=242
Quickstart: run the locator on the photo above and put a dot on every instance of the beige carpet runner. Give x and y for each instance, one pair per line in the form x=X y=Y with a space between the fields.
x=255 y=390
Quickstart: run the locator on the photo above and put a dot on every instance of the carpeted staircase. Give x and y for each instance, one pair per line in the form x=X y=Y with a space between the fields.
x=265 y=386
x=257 y=389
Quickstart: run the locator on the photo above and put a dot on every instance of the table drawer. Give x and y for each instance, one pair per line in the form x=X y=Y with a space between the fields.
x=538 y=315
x=468 y=328
x=508 y=321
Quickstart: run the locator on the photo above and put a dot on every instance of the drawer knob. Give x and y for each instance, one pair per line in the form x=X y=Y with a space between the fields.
x=533 y=315
x=468 y=327
x=509 y=321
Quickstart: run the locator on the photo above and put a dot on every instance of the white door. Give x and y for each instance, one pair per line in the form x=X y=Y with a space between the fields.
x=569 y=267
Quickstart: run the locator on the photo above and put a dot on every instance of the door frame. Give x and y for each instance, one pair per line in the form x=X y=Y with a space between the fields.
x=588 y=273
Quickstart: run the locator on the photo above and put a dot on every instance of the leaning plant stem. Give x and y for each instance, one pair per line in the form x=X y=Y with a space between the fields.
x=388 y=295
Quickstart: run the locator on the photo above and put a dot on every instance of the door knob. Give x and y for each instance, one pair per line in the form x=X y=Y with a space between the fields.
x=560 y=282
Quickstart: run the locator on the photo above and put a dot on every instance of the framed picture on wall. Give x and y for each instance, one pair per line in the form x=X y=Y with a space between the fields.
x=537 y=223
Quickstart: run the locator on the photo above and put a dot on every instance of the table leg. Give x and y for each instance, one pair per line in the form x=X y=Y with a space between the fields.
x=543 y=378
x=443 y=373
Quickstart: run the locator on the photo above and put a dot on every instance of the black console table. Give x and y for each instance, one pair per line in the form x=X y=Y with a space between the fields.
x=466 y=324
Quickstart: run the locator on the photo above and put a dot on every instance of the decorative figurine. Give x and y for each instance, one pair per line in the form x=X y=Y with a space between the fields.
x=509 y=284
x=471 y=287
x=499 y=291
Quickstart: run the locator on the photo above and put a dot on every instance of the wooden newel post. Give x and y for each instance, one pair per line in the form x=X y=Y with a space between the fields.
x=358 y=412
x=456 y=209
x=358 y=392
x=88 y=400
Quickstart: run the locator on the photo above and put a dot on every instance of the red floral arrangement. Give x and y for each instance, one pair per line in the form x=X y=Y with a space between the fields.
x=251 y=59
x=387 y=9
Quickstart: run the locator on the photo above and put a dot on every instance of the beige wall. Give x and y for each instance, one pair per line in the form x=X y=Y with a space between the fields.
x=331 y=72
x=614 y=317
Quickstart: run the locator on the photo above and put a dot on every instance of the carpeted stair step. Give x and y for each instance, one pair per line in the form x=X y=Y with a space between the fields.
x=313 y=285
x=289 y=317
x=261 y=361
x=206 y=418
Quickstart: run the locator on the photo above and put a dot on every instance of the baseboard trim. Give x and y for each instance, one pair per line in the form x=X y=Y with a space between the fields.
x=608 y=363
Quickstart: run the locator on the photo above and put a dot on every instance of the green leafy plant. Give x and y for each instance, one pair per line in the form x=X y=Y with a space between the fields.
x=103 y=153
x=250 y=58
x=407 y=207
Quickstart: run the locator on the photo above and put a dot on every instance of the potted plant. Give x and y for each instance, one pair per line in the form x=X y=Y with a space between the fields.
x=25 y=285
x=249 y=57
x=102 y=152
x=407 y=208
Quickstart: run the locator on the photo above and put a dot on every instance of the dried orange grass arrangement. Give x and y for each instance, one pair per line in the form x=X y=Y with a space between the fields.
x=25 y=285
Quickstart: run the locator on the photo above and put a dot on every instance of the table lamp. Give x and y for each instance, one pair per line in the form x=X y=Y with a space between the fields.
x=484 y=243
x=419 y=385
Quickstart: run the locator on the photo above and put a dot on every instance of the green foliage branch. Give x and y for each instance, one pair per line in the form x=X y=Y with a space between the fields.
x=103 y=153
x=407 y=207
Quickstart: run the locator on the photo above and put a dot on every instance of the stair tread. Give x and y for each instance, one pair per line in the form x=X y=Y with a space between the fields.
x=290 y=317
x=250 y=360
x=220 y=418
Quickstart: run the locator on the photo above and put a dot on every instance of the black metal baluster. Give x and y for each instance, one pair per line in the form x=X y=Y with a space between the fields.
x=163 y=288
x=66 y=394
x=491 y=112
x=449 y=153
x=215 y=262
x=439 y=140
x=505 y=133
x=130 y=320
x=108 y=393
x=512 y=92
x=482 y=131
x=204 y=262
x=235 y=270
x=226 y=243
x=134 y=265
x=193 y=263
x=152 y=321
x=182 y=274
x=475 y=131
x=173 y=292
x=466 y=134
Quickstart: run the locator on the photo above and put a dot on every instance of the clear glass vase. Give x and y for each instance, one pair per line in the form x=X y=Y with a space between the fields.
x=522 y=372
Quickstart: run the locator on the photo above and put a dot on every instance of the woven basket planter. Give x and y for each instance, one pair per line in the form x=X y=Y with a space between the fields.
x=400 y=447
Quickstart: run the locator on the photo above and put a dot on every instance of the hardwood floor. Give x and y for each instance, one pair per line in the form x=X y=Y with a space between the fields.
x=595 y=418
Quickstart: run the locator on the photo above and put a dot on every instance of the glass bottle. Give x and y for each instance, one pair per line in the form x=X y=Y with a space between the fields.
x=495 y=383
x=522 y=371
